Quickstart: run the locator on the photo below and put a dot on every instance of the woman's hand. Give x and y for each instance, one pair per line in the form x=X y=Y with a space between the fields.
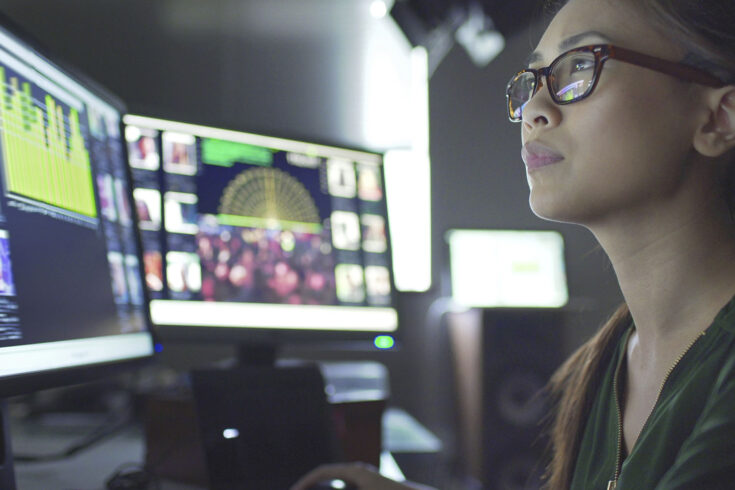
x=363 y=476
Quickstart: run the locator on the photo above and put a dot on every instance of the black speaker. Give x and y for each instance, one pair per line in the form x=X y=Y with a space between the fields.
x=521 y=349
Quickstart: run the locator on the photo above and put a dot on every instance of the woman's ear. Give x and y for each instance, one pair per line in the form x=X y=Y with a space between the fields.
x=717 y=135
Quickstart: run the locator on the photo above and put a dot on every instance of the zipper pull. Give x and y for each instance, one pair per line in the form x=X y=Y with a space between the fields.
x=612 y=484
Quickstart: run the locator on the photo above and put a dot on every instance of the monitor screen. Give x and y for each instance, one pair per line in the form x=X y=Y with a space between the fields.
x=245 y=231
x=507 y=268
x=71 y=287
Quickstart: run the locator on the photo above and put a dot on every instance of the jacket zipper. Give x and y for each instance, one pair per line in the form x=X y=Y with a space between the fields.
x=612 y=484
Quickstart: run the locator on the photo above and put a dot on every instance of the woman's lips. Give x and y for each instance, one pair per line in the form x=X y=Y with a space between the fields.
x=536 y=155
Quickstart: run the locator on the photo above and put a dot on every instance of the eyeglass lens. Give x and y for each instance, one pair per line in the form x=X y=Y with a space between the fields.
x=571 y=78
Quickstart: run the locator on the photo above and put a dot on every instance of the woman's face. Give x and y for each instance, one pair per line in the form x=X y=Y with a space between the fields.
x=626 y=148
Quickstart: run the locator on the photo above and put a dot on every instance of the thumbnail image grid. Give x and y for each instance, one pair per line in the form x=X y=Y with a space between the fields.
x=148 y=207
x=183 y=272
x=341 y=178
x=180 y=212
x=369 y=182
x=374 y=238
x=153 y=267
x=142 y=150
x=350 y=283
x=179 y=153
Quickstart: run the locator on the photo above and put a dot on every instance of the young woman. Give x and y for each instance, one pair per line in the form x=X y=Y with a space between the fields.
x=627 y=113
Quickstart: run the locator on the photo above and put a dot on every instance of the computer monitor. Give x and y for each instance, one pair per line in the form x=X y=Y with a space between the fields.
x=507 y=268
x=72 y=302
x=260 y=239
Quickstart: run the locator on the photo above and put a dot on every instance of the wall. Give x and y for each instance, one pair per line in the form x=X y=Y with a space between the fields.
x=294 y=68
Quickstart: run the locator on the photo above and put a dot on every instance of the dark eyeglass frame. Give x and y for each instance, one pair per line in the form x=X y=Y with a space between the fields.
x=602 y=53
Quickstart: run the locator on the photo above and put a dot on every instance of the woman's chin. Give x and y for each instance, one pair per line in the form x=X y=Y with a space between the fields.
x=553 y=210
x=544 y=208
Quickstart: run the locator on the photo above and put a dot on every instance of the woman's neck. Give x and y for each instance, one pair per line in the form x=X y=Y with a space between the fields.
x=675 y=267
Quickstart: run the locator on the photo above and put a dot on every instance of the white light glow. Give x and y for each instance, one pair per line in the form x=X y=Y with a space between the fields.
x=132 y=133
x=395 y=108
x=408 y=189
x=378 y=9
x=261 y=315
x=408 y=193
x=481 y=41
x=484 y=47
x=389 y=468
x=420 y=99
x=499 y=268
x=231 y=433
x=385 y=86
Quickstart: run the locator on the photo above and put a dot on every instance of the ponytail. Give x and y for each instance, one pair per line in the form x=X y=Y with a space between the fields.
x=572 y=390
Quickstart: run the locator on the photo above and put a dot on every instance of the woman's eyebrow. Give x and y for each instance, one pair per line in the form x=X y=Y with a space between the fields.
x=568 y=43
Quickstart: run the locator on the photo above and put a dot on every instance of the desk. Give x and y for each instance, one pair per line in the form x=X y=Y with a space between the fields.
x=89 y=469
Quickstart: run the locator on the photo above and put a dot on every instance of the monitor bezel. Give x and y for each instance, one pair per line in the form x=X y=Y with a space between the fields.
x=450 y=287
x=28 y=382
x=330 y=339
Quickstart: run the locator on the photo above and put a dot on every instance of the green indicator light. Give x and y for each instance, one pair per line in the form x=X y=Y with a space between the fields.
x=384 y=342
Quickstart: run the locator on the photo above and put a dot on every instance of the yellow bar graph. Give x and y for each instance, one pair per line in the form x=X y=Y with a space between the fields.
x=45 y=158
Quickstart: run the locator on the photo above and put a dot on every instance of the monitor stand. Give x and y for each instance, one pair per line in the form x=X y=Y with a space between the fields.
x=252 y=355
x=7 y=475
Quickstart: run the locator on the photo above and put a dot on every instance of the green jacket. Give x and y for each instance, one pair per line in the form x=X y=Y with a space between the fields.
x=688 y=441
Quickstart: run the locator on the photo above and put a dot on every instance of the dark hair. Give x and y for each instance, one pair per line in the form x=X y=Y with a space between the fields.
x=572 y=390
x=704 y=29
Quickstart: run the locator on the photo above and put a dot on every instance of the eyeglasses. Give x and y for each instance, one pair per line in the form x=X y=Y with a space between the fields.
x=574 y=74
